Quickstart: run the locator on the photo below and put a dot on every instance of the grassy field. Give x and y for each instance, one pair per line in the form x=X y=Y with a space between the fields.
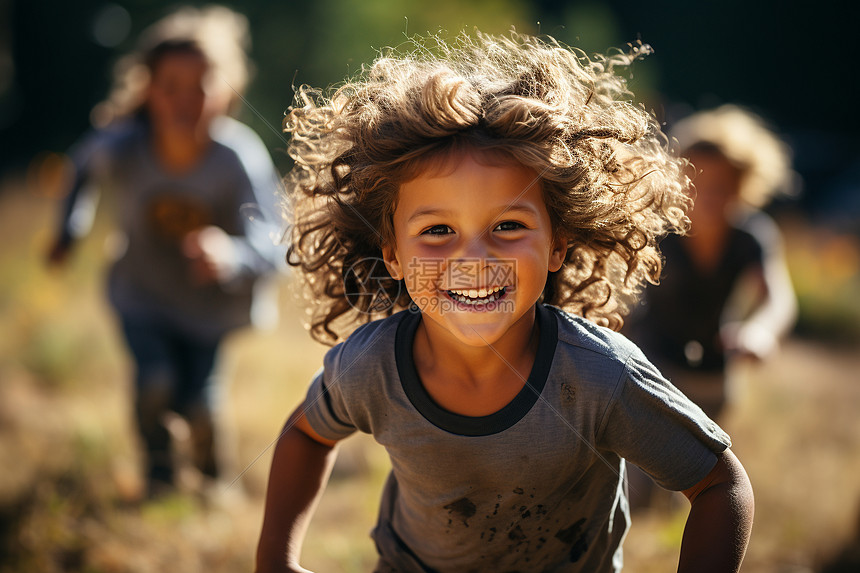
x=68 y=450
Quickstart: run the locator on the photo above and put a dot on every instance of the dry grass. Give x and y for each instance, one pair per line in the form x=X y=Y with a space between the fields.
x=67 y=448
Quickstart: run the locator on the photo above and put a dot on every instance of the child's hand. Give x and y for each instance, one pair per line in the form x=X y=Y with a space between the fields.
x=213 y=255
x=748 y=340
x=58 y=254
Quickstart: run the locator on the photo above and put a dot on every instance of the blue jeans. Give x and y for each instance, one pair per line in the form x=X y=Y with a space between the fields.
x=174 y=373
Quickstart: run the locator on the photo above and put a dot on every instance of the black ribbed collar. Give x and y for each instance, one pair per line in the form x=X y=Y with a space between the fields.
x=496 y=422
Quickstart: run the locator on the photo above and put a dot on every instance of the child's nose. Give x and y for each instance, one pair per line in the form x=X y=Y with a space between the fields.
x=477 y=247
x=471 y=261
x=466 y=272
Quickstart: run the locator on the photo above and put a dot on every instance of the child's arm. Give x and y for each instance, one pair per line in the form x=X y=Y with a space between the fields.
x=720 y=520
x=774 y=309
x=300 y=469
x=76 y=218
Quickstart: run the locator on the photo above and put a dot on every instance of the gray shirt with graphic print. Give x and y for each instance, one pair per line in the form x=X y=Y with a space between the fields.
x=536 y=486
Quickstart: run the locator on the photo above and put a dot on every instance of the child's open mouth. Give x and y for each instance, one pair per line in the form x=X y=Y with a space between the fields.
x=477 y=296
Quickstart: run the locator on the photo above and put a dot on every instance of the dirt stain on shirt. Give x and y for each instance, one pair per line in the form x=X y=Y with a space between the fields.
x=462 y=510
x=576 y=537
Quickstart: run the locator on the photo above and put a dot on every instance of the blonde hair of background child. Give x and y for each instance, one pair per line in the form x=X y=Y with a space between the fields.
x=611 y=184
x=220 y=34
x=749 y=144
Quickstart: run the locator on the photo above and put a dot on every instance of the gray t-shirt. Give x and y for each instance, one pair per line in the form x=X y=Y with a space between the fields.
x=536 y=486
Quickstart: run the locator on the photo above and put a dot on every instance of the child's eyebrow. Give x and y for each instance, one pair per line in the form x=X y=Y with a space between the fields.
x=518 y=208
x=502 y=211
x=430 y=211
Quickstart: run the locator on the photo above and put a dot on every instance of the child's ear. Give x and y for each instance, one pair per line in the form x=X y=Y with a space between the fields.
x=557 y=254
x=389 y=255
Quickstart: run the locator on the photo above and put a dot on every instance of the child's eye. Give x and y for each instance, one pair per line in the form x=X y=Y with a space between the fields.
x=437 y=230
x=509 y=226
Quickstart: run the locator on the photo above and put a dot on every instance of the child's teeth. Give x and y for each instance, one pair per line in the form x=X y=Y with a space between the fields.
x=472 y=296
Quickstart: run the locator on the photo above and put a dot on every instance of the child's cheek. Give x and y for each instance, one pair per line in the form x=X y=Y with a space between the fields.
x=424 y=275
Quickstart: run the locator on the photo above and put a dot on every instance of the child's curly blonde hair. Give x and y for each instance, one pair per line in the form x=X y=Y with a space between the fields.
x=610 y=183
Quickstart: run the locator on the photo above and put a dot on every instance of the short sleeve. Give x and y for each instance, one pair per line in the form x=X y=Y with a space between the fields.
x=653 y=425
x=325 y=406
x=353 y=391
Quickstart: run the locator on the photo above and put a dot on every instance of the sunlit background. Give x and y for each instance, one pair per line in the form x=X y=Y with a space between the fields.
x=67 y=445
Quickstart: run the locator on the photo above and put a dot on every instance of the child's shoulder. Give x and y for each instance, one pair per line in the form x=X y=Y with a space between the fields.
x=577 y=332
x=601 y=360
x=242 y=141
x=115 y=141
x=370 y=339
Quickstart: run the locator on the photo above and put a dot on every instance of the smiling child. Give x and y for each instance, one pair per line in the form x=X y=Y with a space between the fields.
x=515 y=197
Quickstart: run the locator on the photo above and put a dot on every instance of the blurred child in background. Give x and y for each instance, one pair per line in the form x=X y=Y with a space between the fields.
x=725 y=292
x=194 y=194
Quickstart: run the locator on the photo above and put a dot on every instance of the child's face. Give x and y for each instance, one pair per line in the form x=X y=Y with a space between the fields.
x=474 y=243
x=717 y=187
x=176 y=98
